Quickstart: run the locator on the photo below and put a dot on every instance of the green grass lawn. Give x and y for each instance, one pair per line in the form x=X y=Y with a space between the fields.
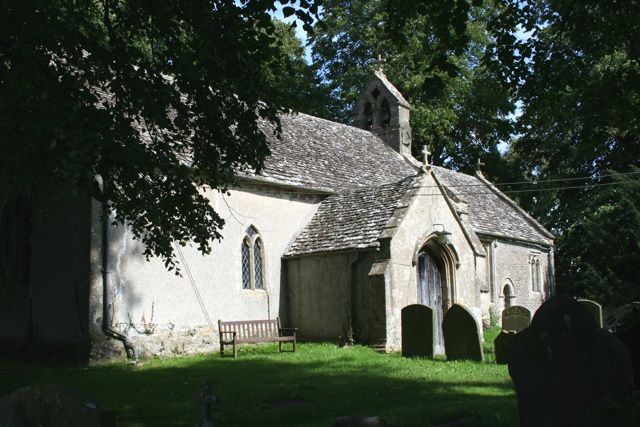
x=312 y=387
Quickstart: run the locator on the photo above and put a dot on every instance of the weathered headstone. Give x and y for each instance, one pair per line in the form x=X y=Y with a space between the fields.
x=359 y=422
x=205 y=399
x=515 y=318
x=594 y=309
x=563 y=366
x=53 y=405
x=418 y=331
x=462 y=339
x=501 y=345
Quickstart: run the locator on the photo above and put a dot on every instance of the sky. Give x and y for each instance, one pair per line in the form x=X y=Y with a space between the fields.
x=300 y=33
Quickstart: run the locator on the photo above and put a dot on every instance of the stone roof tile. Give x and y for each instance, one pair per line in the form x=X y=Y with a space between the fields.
x=351 y=219
x=318 y=153
x=491 y=211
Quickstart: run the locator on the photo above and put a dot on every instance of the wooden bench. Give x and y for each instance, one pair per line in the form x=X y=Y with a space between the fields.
x=253 y=332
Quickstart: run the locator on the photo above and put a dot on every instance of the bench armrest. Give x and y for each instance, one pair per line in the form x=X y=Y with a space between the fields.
x=228 y=332
x=291 y=332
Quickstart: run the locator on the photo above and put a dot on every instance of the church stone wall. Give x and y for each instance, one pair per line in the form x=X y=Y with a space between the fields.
x=512 y=262
x=164 y=313
x=428 y=213
x=330 y=296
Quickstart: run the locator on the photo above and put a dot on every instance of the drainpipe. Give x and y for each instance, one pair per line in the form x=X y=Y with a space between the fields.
x=354 y=293
x=107 y=329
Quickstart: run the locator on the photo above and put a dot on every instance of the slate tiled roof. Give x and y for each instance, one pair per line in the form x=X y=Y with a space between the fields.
x=352 y=219
x=322 y=154
x=490 y=211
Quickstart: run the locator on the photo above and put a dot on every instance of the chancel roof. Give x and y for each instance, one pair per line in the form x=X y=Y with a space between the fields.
x=318 y=153
x=490 y=211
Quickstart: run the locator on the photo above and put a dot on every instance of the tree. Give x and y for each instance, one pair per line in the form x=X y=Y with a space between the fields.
x=574 y=69
x=458 y=109
x=577 y=75
x=139 y=103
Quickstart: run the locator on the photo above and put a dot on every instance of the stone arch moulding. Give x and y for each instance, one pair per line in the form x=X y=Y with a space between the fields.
x=507 y=284
x=448 y=249
x=253 y=239
x=447 y=257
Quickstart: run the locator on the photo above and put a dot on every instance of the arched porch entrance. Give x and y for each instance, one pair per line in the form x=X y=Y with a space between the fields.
x=435 y=278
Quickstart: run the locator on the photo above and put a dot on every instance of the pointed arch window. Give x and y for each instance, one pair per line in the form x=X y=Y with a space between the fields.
x=386 y=113
x=534 y=261
x=252 y=252
x=368 y=114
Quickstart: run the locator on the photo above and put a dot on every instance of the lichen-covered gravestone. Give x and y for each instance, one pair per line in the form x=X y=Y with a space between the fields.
x=53 y=405
x=564 y=365
x=515 y=318
x=462 y=339
x=594 y=309
x=418 y=331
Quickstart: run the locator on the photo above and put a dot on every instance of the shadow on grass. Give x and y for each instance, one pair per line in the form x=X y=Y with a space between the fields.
x=308 y=388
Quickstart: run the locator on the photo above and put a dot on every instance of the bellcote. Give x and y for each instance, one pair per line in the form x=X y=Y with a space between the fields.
x=383 y=110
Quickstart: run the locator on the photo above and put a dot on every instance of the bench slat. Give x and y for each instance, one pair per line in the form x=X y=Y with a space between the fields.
x=252 y=331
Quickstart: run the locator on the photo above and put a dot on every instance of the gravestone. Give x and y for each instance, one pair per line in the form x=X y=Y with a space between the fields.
x=564 y=365
x=462 y=339
x=359 y=422
x=205 y=399
x=627 y=330
x=515 y=318
x=418 y=331
x=594 y=309
x=501 y=345
x=53 y=405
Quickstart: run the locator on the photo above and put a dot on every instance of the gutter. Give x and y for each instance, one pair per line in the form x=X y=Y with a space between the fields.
x=542 y=244
x=107 y=320
x=302 y=189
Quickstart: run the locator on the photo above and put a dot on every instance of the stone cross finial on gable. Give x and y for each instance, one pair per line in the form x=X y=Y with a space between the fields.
x=380 y=61
x=205 y=398
x=426 y=153
x=480 y=164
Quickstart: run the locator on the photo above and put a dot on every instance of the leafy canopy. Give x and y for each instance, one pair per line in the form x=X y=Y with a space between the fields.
x=458 y=109
x=141 y=104
x=573 y=67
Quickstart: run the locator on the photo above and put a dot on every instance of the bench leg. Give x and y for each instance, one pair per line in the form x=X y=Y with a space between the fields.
x=221 y=348
x=235 y=350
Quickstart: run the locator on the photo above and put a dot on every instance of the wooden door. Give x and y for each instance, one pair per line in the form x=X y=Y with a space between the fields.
x=430 y=294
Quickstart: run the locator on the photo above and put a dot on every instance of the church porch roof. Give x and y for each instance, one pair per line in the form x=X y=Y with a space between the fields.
x=353 y=219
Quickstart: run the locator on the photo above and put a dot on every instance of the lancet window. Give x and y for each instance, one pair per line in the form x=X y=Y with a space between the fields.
x=252 y=252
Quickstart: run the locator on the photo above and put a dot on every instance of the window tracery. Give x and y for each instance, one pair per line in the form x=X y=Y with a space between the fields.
x=252 y=253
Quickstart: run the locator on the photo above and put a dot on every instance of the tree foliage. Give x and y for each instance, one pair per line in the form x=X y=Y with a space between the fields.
x=458 y=109
x=574 y=66
x=140 y=103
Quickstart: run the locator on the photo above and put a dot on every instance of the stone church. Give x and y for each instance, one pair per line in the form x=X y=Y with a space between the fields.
x=340 y=231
